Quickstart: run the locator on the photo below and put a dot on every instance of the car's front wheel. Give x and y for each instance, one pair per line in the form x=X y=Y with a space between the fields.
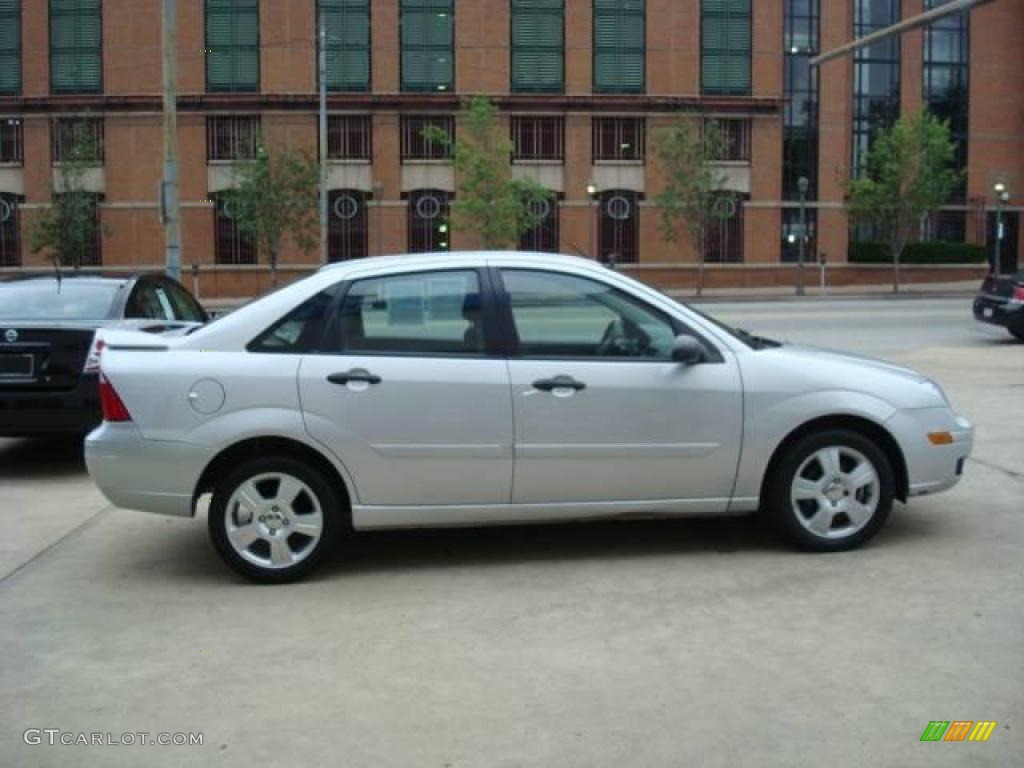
x=274 y=519
x=831 y=490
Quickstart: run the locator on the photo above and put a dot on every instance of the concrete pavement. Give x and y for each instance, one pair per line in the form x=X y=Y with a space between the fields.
x=626 y=644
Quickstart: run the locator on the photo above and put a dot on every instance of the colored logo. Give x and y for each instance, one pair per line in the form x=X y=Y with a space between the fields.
x=958 y=730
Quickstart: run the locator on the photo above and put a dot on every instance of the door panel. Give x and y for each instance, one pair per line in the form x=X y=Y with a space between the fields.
x=638 y=431
x=406 y=396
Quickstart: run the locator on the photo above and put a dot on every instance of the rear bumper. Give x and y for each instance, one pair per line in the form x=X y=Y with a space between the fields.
x=148 y=475
x=998 y=311
x=26 y=412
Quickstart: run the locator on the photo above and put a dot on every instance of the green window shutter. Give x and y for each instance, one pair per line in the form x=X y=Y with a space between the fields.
x=232 y=45
x=348 y=44
x=76 y=46
x=427 y=37
x=725 y=47
x=538 y=45
x=620 y=46
x=10 y=46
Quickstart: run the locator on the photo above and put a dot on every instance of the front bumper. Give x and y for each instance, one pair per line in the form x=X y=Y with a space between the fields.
x=27 y=412
x=932 y=468
x=148 y=475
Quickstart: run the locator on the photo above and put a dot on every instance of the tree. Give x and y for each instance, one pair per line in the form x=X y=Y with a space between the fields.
x=694 y=194
x=276 y=195
x=908 y=174
x=490 y=201
x=69 y=226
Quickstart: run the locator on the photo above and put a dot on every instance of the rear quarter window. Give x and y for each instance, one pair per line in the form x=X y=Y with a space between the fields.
x=298 y=331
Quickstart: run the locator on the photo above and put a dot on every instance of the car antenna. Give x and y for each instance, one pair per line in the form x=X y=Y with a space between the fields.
x=578 y=251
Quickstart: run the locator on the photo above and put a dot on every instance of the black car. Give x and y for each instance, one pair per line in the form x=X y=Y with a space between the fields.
x=1001 y=302
x=49 y=357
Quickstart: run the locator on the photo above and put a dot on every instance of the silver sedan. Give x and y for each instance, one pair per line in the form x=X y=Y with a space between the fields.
x=488 y=388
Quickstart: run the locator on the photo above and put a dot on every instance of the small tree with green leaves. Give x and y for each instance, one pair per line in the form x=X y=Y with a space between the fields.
x=909 y=173
x=489 y=200
x=694 y=196
x=69 y=226
x=276 y=196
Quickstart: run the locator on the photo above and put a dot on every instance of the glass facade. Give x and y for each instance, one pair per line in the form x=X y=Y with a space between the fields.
x=945 y=80
x=800 y=89
x=876 y=76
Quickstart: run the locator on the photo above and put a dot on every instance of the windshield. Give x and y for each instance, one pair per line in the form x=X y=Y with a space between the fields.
x=68 y=301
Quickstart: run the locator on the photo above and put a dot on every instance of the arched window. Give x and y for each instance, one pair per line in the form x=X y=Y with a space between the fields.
x=10 y=234
x=619 y=212
x=544 y=236
x=347 y=235
x=429 y=226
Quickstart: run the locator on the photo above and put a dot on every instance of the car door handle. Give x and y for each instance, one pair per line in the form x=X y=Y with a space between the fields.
x=558 y=382
x=356 y=374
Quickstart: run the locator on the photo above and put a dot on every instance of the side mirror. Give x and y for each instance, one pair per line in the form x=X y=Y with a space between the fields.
x=687 y=350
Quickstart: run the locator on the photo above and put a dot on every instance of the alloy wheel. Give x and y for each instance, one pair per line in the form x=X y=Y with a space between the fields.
x=835 y=492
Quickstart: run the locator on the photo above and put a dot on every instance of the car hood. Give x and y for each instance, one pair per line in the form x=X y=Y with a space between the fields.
x=798 y=368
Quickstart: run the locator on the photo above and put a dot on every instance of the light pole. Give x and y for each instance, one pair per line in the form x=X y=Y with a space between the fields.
x=802 y=184
x=592 y=204
x=1002 y=197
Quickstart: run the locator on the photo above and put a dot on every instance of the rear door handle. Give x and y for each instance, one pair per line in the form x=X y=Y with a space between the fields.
x=559 y=382
x=356 y=374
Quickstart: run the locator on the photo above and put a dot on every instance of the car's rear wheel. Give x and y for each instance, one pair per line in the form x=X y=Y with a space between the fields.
x=1017 y=333
x=274 y=519
x=831 y=490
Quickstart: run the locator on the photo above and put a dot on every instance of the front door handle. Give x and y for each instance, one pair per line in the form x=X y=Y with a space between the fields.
x=559 y=382
x=356 y=374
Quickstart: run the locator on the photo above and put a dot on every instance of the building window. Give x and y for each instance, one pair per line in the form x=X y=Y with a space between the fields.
x=10 y=234
x=429 y=220
x=82 y=135
x=10 y=46
x=620 y=46
x=800 y=40
x=544 y=236
x=347 y=24
x=428 y=45
x=348 y=231
x=946 y=81
x=231 y=137
x=619 y=138
x=945 y=226
x=725 y=47
x=416 y=146
x=349 y=137
x=538 y=138
x=538 y=46
x=618 y=235
x=76 y=46
x=232 y=45
x=736 y=139
x=876 y=76
x=791 y=232
x=230 y=244
x=723 y=240
x=12 y=148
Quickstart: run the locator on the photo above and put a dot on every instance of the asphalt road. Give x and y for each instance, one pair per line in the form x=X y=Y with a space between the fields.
x=628 y=644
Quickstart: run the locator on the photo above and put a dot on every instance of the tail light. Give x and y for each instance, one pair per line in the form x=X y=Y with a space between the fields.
x=1018 y=294
x=92 y=360
x=111 y=403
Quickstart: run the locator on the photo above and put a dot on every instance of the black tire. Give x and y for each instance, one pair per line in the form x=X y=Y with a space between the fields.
x=319 y=490
x=783 y=512
x=1017 y=333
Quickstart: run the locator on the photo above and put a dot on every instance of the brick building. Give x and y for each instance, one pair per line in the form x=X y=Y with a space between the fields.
x=583 y=85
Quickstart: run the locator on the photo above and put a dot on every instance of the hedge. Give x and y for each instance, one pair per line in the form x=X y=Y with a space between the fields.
x=919 y=253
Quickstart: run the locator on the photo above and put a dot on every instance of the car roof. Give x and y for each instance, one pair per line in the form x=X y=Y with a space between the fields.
x=453 y=258
x=82 y=277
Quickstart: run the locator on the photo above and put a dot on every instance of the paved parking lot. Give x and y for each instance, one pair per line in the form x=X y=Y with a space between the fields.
x=641 y=644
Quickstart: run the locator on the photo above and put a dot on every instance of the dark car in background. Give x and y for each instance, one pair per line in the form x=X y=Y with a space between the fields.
x=49 y=354
x=1001 y=302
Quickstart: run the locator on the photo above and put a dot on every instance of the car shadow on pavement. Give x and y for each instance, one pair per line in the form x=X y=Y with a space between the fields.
x=41 y=457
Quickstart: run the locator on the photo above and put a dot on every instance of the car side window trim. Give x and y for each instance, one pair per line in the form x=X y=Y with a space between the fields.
x=491 y=330
x=510 y=336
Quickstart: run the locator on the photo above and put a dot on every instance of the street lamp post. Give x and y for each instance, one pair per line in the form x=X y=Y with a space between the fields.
x=1002 y=197
x=802 y=184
